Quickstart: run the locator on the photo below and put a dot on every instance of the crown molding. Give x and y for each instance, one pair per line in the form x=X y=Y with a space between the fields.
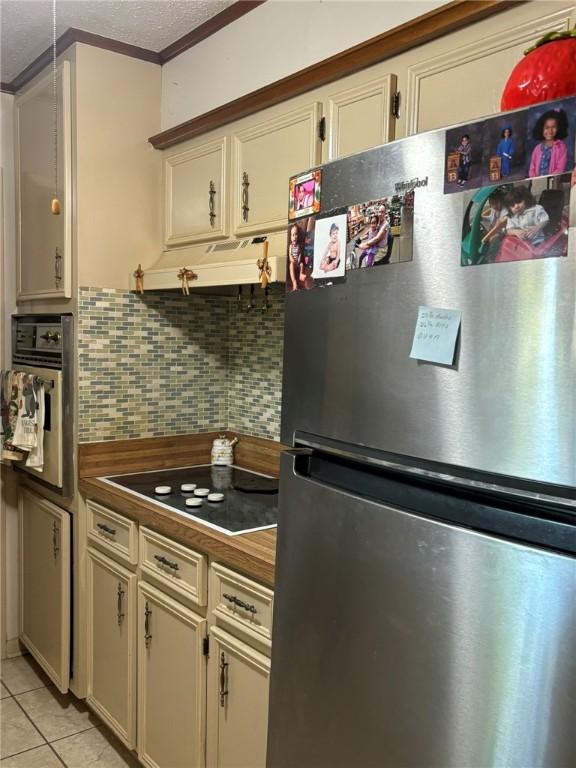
x=441 y=21
x=72 y=35
x=216 y=23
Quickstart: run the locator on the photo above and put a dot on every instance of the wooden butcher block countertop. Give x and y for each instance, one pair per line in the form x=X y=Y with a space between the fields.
x=253 y=554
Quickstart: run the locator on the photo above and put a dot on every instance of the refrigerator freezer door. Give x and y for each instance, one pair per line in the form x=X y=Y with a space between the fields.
x=403 y=641
x=508 y=404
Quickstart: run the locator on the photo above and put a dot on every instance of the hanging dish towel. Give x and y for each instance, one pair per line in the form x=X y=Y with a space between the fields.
x=23 y=418
x=12 y=389
x=36 y=456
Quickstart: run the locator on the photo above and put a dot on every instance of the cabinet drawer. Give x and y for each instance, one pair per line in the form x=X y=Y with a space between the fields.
x=174 y=565
x=113 y=533
x=241 y=604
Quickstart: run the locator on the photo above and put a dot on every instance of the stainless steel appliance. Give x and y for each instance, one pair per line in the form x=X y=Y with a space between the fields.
x=239 y=501
x=425 y=604
x=42 y=346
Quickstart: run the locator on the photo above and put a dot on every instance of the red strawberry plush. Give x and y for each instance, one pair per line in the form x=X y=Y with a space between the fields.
x=547 y=72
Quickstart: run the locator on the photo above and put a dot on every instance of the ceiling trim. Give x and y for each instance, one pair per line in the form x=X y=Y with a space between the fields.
x=216 y=23
x=72 y=35
x=432 y=25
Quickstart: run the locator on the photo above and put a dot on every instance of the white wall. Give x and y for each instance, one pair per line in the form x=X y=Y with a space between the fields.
x=8 y=514
x=274 y=40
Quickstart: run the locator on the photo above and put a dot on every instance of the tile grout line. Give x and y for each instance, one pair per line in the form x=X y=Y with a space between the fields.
x=33 y=725
x=12 y=696
x=17 y=754
x=21 y=693
x=70 y=735
x=57 y=755
x=46 y=742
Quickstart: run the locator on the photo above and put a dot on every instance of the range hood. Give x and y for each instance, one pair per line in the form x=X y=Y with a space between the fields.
x=218 y=265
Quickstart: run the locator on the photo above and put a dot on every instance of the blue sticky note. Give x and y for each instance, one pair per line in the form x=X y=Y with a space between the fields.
x=435 y=335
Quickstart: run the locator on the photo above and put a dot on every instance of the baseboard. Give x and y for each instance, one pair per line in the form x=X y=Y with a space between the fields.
x=14 y=648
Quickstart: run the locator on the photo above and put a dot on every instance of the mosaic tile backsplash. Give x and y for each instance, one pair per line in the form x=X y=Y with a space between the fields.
x=167 y=364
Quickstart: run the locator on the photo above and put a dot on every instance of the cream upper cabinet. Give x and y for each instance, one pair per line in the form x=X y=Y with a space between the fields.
x=238 y=685
x=195 y=186
x=265 y=154
x=171 y=682
x=108 y=177
x=111 y=652
x=461 y=76
x=45 y=585
x=358 y=117
x=43 y=157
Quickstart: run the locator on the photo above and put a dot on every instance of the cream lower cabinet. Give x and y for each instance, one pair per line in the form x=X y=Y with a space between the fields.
x=171 y=682
x=238 y=683
x=186 y=690
x=45 y=585
x=238 y=670
x=111 y=652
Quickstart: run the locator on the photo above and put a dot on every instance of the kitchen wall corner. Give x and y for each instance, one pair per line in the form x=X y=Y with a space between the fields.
x=256 y=341
x=166 y=364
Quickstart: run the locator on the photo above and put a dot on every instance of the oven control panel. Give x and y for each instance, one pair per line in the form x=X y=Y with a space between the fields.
x=30 y=337
x=39 y=339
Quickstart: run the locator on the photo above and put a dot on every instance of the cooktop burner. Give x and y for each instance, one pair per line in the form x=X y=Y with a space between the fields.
x=249 y=503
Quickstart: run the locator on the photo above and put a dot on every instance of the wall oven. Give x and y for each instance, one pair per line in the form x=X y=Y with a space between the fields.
x=42 y=346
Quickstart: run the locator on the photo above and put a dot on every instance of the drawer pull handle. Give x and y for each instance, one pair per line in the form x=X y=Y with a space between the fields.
x=57 y=268
x=120 y=596
x=245 y=206
x=106 y=529
x=168 y=563
x=223 y=679
x=55 y=539
x=147 y=614
x=240 y=603
x=211 y=193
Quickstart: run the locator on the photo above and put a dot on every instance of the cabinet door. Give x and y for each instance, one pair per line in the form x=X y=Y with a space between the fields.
x=195 y=187
x=265 y=156
x=359 y=118
x=462 y=76
x=238 y=683
x=45 y=585
x=171 y=682
x=44 y=240
x=111 y=598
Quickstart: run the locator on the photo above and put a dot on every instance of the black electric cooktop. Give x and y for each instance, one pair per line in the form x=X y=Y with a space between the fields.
x=250 y=500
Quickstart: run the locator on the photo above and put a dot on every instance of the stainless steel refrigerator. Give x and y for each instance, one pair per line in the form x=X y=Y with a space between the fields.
x=425 y=603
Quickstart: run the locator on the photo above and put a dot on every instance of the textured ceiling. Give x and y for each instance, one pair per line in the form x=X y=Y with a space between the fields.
x=26 y=25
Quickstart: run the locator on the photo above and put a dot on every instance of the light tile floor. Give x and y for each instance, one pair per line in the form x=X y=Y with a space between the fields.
x=41 y=728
